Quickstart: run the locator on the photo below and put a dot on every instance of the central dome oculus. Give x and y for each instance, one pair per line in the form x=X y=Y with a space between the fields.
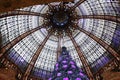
x=60 y=18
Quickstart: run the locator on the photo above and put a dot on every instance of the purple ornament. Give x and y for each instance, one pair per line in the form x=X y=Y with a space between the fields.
x=67 y=58
x=56 y=68
x=70 y=72
x=50 y=79
x=57 y=65
x=71 y=62
x=78 y=79
x=81 y=70
x=81 y=74
x=65 y=66
x=73 y=66
x=64 y=61
x=58 y=74
x=66 y=78
x=60 y=58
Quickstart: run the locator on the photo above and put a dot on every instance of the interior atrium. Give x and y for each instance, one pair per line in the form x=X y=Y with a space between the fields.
x=34 y=40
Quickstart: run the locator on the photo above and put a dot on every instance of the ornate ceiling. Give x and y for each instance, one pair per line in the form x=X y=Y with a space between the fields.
x=90 y=29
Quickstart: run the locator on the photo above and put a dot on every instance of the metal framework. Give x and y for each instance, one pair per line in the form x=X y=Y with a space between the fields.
x=16 y=40
x=104 y=17
x=102 y=43
x=82 y=58
x=77 y=4
x=35 y=57
x=59 y=47
x=61 y=5
x=50 y=7
x=20 y=12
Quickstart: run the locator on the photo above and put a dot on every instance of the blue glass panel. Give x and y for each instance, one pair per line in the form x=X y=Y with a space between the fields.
x=11 y=54
x=17 y=59
x=40 y=73
x=102 y=61
x=116 y=38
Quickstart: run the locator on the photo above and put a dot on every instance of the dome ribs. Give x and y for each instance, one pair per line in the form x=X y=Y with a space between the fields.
x=102 y=43
x=35 y=57
x=77 y=4
x=7 y=47
x=82 y=58
x=59 y=46
x=20 y=12
x=104 y=17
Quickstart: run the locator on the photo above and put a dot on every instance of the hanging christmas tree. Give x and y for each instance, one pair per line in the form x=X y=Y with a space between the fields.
x=66 y=68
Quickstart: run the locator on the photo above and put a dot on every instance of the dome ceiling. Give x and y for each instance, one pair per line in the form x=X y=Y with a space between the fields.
x=93 y=25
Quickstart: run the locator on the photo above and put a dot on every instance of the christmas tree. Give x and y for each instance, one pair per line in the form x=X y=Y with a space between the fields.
x=66 y=68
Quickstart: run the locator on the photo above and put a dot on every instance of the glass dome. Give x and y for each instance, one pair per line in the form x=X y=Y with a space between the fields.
x=97 y=36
